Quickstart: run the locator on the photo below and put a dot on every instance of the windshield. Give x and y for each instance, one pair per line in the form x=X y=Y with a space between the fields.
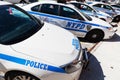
x=16 y=25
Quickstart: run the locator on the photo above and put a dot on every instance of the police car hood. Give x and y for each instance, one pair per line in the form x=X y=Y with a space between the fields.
x=51 y=44
x=99 y=22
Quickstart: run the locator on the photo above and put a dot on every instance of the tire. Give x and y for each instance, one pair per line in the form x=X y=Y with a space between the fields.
x=86 y=65
x=19 y=76
x=116 y=19
x=103 y=19
x=95 y=35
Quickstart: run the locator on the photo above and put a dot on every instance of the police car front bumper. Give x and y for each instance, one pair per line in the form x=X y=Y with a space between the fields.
x=71 y=73
x=110 y=33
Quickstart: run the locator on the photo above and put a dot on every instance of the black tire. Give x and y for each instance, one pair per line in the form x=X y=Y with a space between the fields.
x=95 y=35
x=103 y=19
x=85 y=65
x=116 y=19
x=19 y=76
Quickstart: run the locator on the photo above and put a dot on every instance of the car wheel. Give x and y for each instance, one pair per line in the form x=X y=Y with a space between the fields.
x=116 y=19
x=103 y=19
x=19 y=76
x=95 y=35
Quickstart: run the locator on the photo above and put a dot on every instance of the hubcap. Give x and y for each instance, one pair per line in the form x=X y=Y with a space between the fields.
x=94 y=36
x=23 y=78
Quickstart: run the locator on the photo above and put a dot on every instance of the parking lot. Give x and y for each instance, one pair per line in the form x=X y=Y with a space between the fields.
x=104 y=61
x=103 y=56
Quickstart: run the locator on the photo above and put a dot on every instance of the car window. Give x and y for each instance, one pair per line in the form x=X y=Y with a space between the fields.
x=118 y=6
x=35 y=8
x=16 y=25
x=49 y=9
x=107 y=7
x=84 y=7
x=70 y=13
x=97 y=5
x=86 y=16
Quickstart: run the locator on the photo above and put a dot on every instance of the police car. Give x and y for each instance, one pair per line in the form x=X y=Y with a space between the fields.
x=85 y=8
x=20 y=1
x=34 y=50
x=116 y=6
x=107 y=8
x=69 y=17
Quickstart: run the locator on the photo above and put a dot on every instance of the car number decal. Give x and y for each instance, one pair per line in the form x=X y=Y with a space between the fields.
x=76 y=43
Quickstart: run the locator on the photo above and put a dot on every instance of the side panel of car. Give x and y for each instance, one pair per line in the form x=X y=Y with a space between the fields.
x=68 y=18
x=62 y=16
x=32 y=66
x=75 y=26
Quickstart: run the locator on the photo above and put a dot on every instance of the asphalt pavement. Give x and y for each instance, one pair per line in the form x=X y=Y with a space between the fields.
x=104 y=60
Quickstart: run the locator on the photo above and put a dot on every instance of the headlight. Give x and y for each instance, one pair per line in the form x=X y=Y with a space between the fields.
x=110 y=28
x=75 y=64
x=109 y=19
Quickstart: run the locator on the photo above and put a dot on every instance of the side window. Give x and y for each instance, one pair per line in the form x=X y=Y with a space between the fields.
x=70 y=13
x=49 y=9
x=35 y=8
x=85 y=7
x=107 y=7
x=97 y=5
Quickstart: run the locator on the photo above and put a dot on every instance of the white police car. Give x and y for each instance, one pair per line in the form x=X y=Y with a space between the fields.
x=70 y=18
x=20 y=1
x=89 y=10
x=33 y=50
x=107 y=8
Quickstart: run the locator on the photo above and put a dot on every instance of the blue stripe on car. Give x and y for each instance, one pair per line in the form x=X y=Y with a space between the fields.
x=31 y=63
x=68 y=19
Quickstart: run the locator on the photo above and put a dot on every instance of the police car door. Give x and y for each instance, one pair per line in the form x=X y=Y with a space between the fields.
x=64 y=17
x=72 y=20
x=49 y=13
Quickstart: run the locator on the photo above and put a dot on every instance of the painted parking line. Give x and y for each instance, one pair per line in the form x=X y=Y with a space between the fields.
x=90 y=49
x=89 y=46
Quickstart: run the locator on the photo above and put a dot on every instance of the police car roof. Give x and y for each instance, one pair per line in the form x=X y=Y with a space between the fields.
x=77 y=2
x=50 y=2
x=95 y=2
x=4 y=3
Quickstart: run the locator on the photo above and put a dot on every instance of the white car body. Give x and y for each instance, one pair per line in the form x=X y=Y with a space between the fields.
x=89 y=10
x=42 y=55
x=78 y=27
x=105 y=16
x=18 y=1
x=107 y=8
